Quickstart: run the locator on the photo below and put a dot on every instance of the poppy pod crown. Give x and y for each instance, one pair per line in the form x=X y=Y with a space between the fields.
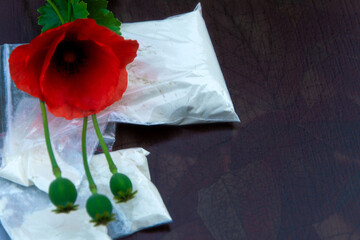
x=78 y=68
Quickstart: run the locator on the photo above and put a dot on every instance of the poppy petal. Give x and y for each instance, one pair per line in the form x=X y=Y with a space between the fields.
x=26 y=61
x=89 y=90
x=24 y=70
x=49 y=54
x=125 y=50
x=121 y=87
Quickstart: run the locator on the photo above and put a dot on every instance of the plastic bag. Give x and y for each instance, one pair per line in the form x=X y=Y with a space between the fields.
x=176 y=78
x=26 y=212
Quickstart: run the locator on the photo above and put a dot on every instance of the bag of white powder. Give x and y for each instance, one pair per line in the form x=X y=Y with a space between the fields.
x=26 y=214
x=176 y=78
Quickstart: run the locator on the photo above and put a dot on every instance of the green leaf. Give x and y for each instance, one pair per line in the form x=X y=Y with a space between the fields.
x=56 y=11
x=79 y=9
x=99 y=12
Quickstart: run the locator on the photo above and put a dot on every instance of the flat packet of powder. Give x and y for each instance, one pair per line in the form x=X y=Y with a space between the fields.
x=26 y=213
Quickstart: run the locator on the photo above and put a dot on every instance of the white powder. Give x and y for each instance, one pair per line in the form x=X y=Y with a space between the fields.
x=34 y=167
x=146 y=209
x=46 y=225
x=176 y=78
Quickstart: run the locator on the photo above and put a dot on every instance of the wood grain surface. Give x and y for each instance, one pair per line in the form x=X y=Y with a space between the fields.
x=291 y=168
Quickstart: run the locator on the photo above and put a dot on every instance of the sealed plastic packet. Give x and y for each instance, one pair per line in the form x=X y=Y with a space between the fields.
x=176 y=78
x=26 y=212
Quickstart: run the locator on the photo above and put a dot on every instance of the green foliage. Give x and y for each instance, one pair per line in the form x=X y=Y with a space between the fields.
x=57 y=12
x=78 y=9
x=99 y=12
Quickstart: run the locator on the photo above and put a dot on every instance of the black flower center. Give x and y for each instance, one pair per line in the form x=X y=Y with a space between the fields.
x=69 y=57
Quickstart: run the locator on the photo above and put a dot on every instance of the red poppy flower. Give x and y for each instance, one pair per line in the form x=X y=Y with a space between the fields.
x=78 y=68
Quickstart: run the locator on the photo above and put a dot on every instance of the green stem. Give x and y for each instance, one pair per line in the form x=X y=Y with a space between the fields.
x=56 y=11
x=112 y=167
x=92 y=185
x=55 y=168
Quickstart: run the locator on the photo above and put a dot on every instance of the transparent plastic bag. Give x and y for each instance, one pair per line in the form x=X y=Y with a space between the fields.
x=25 y=212
x=176 y=78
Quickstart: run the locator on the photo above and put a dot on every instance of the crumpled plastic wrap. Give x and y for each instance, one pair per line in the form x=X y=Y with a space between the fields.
x=26 y=214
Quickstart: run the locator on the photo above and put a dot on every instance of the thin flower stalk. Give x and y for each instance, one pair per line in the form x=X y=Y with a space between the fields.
x=112 y=166
x=92 y=185
x=55 y=168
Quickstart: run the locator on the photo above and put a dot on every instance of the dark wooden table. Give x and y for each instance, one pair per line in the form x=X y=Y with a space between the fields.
x=291 y=168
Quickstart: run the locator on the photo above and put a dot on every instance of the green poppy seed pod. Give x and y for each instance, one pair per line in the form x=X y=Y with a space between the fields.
x=120 y=184
x=121 y=187
x=99 y=208
x=63 y=194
